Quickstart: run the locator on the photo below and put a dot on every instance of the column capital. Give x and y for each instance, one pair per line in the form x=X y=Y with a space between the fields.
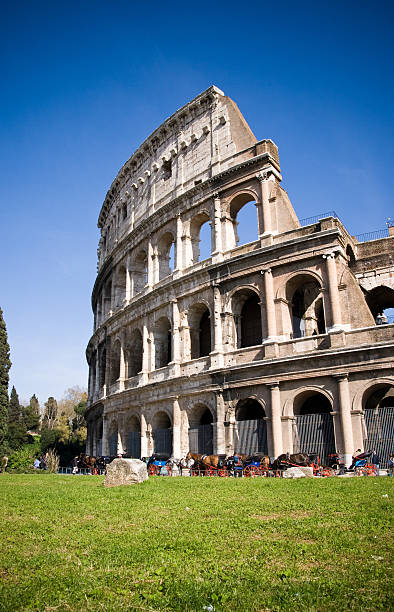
x=263 y=175
x=216 y=195
x=273 y=385
x=341 y=376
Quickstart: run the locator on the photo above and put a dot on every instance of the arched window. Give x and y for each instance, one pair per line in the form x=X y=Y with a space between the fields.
x=243 y=212
x=102 y=365
x=247 y=318
x=378 y=404
x=200 y=331
x=200 y=234
x=115 y=362
x=120 y=286
x=162 y=338
x=201 y=432
x=140 y=271
x=134 y=353
x=166 y=255
x=107 y=297
x=380 y=301
x=306 y=306
x=133 y=437
x=162 y=434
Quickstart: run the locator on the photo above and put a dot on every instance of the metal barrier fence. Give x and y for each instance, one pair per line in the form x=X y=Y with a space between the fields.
x=250 y=437
x=317 y=218
x=81 y=472
x=314 y=434
x=376 y=235
x=379 y=433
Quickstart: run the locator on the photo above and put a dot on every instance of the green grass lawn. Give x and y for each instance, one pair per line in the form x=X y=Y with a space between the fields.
x=184 y=543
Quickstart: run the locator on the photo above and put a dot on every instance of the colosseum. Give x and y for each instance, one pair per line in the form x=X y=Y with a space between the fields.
x=279 y=344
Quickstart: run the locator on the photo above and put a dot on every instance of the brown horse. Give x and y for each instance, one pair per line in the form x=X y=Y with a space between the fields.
x=207 y=460
x=286 y=460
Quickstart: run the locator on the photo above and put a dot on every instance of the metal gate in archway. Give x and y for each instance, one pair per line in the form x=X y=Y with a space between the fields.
x=250 y=437
x=314 y=433
x=201 y=439
x=163 y=441
x=113 y=444
x=379 y=432
x=134 y=444
x=99 y=448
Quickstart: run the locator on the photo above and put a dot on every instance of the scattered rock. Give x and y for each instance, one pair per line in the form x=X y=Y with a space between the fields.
x=294 y=472
x=125 y=472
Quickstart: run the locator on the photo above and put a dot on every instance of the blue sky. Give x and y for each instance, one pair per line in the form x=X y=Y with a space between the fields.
x=84 y=83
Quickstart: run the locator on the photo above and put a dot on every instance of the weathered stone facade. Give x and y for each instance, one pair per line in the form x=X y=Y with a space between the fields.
x=262 y=333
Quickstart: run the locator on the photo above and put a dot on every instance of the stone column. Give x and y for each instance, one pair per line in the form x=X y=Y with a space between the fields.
x=129 y=281
x=176 y=429
x=336 y=320
x=94 y=438
x=155 y=266
x=175 y=332
x=216 y=230
x=219 y=447
x=260 y=219
x=144 y=441
x=263 y=177
x=270 y=306
x=346 y=417
x=145 y=353
x=178 y=246
x=150 y=264
x=122 y=362
x=217 y=360
x=276 y=423
x=230 y=443
x=97 y=379
x=105 y=448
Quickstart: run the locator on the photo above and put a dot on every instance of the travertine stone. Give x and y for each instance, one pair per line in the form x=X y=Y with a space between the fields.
x=125 y=472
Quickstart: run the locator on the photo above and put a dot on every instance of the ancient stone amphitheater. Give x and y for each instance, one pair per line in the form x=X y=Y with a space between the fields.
x=270 y=346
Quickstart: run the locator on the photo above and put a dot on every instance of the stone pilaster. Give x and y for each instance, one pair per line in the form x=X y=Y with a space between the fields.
x=219 y=446
x=276 y=423
x=144 y=441
x=178 y=247
x=266 y=221
x=331 y=267
x=176 y=429
x=270 y=306
x=216 y=229
x=346 y=417
x=217 y=359
x=105 y=446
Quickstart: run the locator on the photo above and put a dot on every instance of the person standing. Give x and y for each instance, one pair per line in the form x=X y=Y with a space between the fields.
x=375 y=461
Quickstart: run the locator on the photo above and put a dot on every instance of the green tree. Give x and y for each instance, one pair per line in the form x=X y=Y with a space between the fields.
x=5 y=364
x=17 y=430
x=50 y=413
x=31 y=414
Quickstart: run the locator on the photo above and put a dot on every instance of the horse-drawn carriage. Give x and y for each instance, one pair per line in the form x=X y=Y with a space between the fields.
x=159 y=464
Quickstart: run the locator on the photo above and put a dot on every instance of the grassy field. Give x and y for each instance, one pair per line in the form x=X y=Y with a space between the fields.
x=67 y=543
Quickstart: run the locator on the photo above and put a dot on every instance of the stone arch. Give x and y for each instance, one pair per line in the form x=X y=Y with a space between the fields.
x=199 y=320
x=113 y=438
x=162 y=432
x=120 y=285
x=250 y=428
x=197 y=223
x=242 y=231
x=139 y=270
x=304 y=296
x=313 y=426
x=366 y=390
x=134 y=352
x=201 y=429
x=378 y=394
x=377 y=400
x=245 y=307
x=380 y=299
x=165 y=249
x=350 y=256
x=162 y=339
x=133 y=436
x=115 y=361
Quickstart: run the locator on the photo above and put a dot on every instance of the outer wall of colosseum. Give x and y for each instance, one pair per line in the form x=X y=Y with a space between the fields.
x=269 y=346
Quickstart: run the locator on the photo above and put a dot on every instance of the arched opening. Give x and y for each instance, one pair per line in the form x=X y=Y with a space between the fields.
x=201 y=430
x=351 y=259
x=378 y=403
x=380 y=301
x=305 y=299
x=162 y=434
x=165 y=253
x=133 y=437
x=247 y=318
x=115 y=362
x=243 y=213
x=140 y=271
x=99 y=438
x=250 y=432
x=251 y=322
x=200 y=234
x=313 y=428
x=107 y=298
x=120 y=287
x=134 y=353
x=102 y=366
x=200 y=331
x=113 y=439
x=162 y=337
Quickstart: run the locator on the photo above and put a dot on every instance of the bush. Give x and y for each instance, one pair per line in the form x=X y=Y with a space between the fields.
x=22 y=459
x=52 y=462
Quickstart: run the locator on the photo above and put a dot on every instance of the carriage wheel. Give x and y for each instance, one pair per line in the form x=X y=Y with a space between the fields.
x=223 y=473
x=248 y=472
x=152 y=470
x=328 y=472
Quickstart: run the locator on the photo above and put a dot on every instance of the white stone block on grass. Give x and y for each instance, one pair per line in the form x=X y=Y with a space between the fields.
x=125 y=472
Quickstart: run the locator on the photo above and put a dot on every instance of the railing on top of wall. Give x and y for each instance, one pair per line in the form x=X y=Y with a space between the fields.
x=316 y=218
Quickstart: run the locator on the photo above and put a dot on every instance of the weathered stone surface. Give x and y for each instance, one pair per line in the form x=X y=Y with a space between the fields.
x=295 y=472
x=125 y=472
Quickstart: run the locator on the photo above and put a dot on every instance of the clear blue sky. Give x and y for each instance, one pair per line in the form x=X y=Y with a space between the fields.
x=84 y=83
